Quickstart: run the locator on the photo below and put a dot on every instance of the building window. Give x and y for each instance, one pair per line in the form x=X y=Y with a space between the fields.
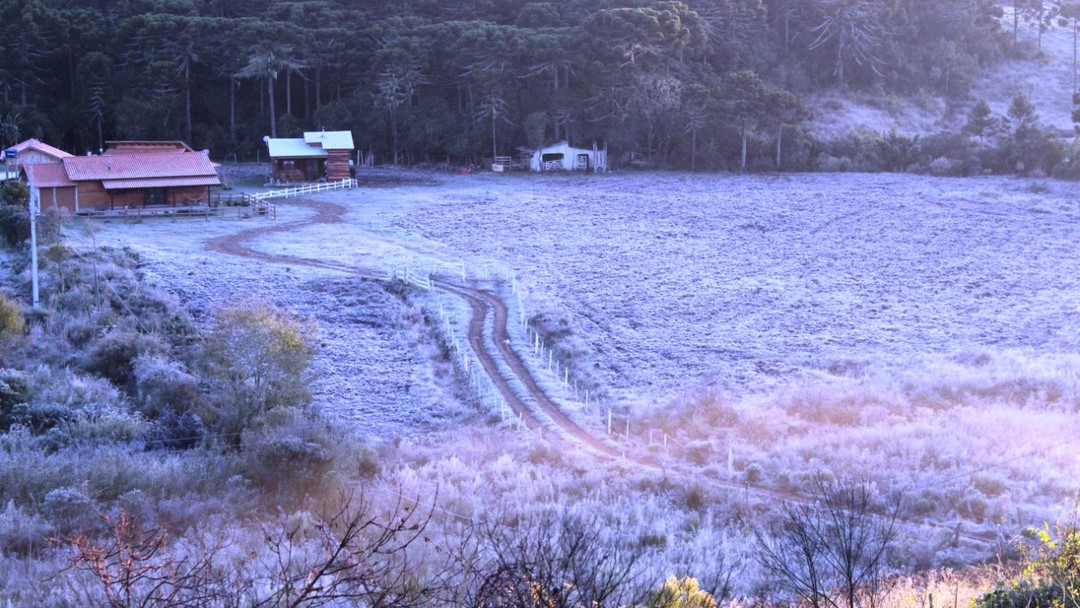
x=155 y=196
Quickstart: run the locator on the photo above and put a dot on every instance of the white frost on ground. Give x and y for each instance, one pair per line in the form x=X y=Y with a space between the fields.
x=672 y=281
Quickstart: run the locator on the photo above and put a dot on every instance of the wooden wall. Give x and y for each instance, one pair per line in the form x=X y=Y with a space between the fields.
x=92 y=195
x=337 y=165
x=57 y=199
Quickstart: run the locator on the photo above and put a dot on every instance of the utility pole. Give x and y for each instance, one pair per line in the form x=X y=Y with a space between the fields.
x=34 y=206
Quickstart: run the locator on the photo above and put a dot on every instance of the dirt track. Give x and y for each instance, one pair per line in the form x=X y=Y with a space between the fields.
x=481 y=302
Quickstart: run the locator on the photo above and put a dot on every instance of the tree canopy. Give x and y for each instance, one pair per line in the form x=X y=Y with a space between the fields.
x=420 y=80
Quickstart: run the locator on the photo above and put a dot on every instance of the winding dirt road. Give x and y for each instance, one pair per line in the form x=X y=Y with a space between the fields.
x=481 y=303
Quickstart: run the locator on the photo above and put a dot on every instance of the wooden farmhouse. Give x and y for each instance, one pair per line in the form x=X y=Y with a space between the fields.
x=318 y=155
x=562 y=156
x=129 y=175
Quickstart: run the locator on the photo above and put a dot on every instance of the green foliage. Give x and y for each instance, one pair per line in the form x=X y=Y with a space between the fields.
x=410 y=79
x=12 y=323
x=679 y=593
x=1051 y=577
x=258 y=356
x=14 y=225
x=15 y=192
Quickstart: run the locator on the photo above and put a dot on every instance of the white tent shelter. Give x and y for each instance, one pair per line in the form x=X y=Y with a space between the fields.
x=562 y=156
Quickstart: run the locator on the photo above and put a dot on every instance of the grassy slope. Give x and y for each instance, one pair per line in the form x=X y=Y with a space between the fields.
x=1046 y=79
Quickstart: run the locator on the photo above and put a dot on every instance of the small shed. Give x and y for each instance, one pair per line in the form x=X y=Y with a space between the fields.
x=562 y=156
x=317 y=155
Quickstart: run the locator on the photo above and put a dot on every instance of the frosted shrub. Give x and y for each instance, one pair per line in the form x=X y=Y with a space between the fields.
x=112 y=356
x=22 y=532
x=12 y=323
x=14 y=389
x=163 y=385
x=257 y=355
x=68 y=508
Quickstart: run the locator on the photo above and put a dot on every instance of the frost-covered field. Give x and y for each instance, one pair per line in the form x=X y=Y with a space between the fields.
x=921 y=332
x=743 y=282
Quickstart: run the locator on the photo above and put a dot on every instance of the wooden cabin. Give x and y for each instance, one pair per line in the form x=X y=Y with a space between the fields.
x=316 y=156
x=129 y=175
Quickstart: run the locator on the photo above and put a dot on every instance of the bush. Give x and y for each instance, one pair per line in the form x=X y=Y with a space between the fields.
x=68 y=508
x=12 y=322
x=15 y=193
x=14 y=225
x=113 y=356
x=41 y=417
x=164 y=386
x=258 y=357
x=23 y=533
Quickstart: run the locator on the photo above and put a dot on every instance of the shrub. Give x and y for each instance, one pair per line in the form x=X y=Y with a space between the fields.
x=14 y=389
x=23 y=533
x=14 y=225
x=258 y=357
x=113 y=356
x=15 y=193
x=41 y=417
x=163 y=385
x=176 y=431
x=68 y=508
x=12 y=322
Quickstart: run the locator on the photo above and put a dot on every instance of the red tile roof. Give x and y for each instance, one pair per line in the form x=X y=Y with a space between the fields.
x=131 y=166
x=41 y=147
x=160 y=182
x=135 y=146
x=47 y=175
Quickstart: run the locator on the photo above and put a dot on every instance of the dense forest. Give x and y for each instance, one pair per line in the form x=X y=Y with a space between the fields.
x=686 y=84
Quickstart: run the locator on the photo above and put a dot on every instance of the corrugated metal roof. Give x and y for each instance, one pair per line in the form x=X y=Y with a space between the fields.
x=160 y=182
x=41 y=147
x=47 y=175
x=330 y=140
x=293 y=148
x=139 y=166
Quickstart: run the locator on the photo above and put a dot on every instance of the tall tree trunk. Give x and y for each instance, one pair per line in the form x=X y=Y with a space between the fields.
x=1016 y=18
x=494 y=146
x=742 y=162
x=393 y=133
x=1040 y=24
x=187 y=103
x=841 y=39
x=288 y=92
x=693 y=150
x=273 y=112
x=318 y=89
x=232 y=109
x=779 y=143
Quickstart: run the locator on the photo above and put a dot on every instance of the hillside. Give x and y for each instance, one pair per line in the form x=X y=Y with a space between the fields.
x=1044 y=76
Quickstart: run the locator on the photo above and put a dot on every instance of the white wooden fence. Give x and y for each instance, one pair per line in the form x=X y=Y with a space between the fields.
x=260 y=201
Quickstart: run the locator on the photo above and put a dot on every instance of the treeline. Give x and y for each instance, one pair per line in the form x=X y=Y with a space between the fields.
x=695 y=84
